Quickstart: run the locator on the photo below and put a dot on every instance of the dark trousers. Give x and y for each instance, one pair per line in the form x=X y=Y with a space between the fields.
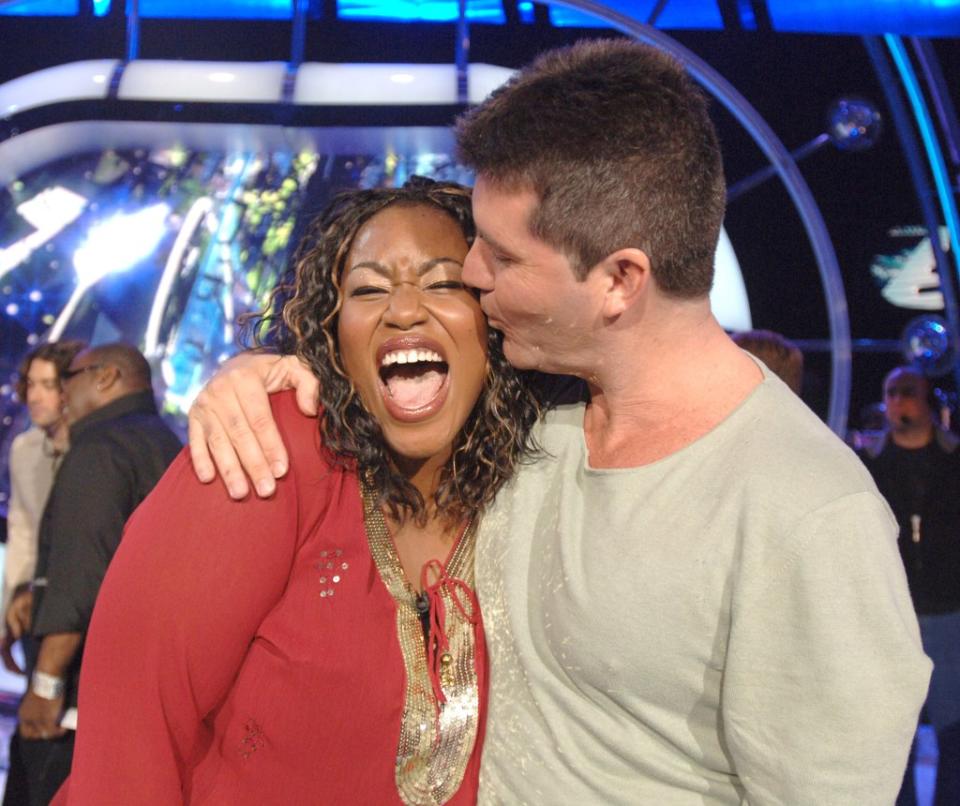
x=37 y=769
x=941 y=641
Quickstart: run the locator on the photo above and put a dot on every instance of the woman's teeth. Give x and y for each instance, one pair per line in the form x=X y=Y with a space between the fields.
x=410 y=357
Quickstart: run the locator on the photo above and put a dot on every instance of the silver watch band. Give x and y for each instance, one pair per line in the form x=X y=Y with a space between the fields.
x=47 y=686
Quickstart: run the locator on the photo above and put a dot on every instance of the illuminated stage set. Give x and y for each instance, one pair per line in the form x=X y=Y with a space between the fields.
x=151 y=194
x=160 y=158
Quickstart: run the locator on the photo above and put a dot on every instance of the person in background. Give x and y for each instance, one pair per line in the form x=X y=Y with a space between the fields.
x=34 y=457
x=694 y=595
x=781 y=355
x=916 y=464
x=119 y=448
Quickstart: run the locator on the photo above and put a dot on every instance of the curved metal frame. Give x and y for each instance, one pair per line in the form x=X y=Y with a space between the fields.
x=786 y=168
x=941 y=178
x=912 y=153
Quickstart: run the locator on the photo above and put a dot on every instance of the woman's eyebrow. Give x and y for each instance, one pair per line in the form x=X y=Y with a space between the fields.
x=422 y=269
x=434 y=262
x=379 y=268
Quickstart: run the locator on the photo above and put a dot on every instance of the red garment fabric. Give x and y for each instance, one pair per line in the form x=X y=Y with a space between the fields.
x=215 y=672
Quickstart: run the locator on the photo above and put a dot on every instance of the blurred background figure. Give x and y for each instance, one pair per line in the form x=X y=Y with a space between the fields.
x=781 y=355
x=34 y=457
x=916 y=464
x=119 y=448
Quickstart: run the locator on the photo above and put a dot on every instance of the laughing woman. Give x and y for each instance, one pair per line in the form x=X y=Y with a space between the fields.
x=325 y=645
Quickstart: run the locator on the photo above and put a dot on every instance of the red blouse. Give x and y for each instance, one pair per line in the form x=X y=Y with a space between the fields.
x=250 y=653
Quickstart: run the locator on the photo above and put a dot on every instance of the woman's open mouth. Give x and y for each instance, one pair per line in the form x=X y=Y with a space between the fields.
x=413 y=377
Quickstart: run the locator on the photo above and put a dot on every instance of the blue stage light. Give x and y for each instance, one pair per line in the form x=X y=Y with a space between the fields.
x=217 y=9
x=908 y=17
x=486 y=11
x=676 y=14
x=40 y=8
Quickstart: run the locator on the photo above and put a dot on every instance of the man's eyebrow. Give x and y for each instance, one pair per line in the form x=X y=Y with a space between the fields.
x=422 y=269
x=492 y=242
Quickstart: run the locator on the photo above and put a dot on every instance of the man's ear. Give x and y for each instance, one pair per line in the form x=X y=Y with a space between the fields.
x=107 y=377
x=627 y=276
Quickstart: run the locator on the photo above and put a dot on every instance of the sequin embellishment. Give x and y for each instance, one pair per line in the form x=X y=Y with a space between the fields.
x=435 y=743
x=331 y=568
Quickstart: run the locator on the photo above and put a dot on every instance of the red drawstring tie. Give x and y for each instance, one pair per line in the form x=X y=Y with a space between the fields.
x=438 y=645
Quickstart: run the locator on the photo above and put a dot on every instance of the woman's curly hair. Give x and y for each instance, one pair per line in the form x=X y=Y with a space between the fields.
x=497 y=433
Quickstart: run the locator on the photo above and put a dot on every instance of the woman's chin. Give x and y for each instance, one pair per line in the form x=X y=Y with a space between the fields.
x=429 y=446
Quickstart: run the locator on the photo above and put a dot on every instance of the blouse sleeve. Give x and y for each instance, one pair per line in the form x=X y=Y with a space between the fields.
x=194 y=577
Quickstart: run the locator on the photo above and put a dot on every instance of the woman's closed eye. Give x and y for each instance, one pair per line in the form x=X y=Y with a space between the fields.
x=369 y=291
x=446 y=285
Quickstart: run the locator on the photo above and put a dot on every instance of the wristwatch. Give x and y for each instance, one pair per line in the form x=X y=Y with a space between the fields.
x=47 y=686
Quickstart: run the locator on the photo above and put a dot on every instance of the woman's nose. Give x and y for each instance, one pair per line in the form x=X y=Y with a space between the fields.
x=406 y=305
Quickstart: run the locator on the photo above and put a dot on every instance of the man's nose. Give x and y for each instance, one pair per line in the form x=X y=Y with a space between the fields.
x=475 y=271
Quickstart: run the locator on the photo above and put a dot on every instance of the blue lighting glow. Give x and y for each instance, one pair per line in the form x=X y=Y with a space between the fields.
x=676 y=14
x=217 y=9
x=487 y=11
x=41 y=8
x=909 y=17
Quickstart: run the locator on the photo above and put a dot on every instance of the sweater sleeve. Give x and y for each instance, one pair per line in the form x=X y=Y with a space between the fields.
x=21 y=555
x=194 y=577
x=825 y=672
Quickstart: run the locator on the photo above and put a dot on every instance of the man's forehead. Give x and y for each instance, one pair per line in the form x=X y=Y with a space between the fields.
x=490 y=194
x=905 y=381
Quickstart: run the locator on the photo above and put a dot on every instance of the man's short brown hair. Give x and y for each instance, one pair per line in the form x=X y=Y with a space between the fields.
x=615 y=140
x=58 y=353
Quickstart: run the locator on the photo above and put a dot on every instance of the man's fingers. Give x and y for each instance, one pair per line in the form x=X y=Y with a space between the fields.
x=264 y=457
x=308 y=396
x=216 y=411
x=199 y=455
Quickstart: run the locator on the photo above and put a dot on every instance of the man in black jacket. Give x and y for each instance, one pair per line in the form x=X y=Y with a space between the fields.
x=119 y=450
x=916 y=465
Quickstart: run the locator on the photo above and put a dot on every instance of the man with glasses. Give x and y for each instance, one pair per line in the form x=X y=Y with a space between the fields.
x=119 y=449
x=916 y=465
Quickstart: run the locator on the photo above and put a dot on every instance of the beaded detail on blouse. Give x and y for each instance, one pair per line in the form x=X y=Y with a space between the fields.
x=437 y=733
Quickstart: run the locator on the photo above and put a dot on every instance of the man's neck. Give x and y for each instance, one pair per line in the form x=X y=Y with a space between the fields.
x=664 y=384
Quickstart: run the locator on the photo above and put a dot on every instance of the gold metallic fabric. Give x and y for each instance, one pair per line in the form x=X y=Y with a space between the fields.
x=436 y=739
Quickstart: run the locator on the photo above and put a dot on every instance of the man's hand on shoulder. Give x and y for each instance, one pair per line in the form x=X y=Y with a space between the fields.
x=231 y=426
